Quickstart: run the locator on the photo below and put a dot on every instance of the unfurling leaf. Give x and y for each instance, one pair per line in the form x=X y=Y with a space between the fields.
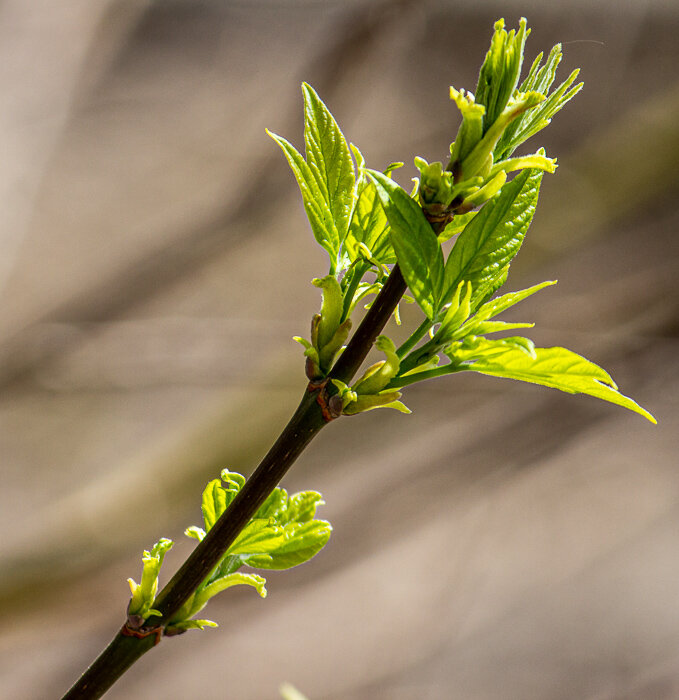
x=370 y=390
x=376 y=377
x=144 y=593
x=539 y=79
x=182 y=621
x=500 y=71
x=221 y=584
x=216 y=498
x=328 y=331
x=331 y=309
x=283 y=532
x=456 y=315
x=384 y=399
x=184 y=625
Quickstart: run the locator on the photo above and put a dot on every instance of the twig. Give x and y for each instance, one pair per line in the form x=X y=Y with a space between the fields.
x=305 y=424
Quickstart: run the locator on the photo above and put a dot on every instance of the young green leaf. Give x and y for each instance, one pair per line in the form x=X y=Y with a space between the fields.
x=329 y=158
x=326 y=178
x=557 y=368
x=221 y=584
x=487 y=327
x=384 y=399
x=183 y=625
x=456 y=226
x=144 y=593
x=540 y=80
x=331 y=309
x=301 y=507
x=456 y=324
x=480 y=324
x=275 y=505
x=317 y=209
x=216 y=498
x=471 y=129
x=417 y=248
x=182 y=621
x=370 y=227
x=492 y=238
x=376 y=377
x=480 y=160
x=282 y=533
x=487 y=288
x=197 y=533
x=500 y=71
x=259 y=535
x=298 y=543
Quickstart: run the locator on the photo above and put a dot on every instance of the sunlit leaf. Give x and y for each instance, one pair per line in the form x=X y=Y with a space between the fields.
x=370 y=227
x=299 y=542
x=417 y=248
x=217 y=497
x=329 y=159
x=144 y=593
x=326 y=177
x=492 y=238
x=557 y=368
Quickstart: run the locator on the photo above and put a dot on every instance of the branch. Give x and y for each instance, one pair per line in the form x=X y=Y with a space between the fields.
x=129 y=645
x=374 y=321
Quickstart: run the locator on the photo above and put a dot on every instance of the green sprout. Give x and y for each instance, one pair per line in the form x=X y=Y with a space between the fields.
x=283 y=533
x=450 y=242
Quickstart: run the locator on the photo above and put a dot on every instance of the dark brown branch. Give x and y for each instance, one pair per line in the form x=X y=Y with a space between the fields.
x=304 y=425
x=374 y=321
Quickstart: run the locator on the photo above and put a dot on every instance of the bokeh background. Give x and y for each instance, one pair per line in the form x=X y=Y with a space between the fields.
x=504 y=541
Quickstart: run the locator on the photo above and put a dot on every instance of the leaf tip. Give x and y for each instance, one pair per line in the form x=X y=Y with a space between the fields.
x=646 y=414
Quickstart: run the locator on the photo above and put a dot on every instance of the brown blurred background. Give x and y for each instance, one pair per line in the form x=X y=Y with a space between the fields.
x=502 y=542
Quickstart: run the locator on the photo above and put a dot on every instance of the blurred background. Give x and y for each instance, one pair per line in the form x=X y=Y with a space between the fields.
x=504 y=541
